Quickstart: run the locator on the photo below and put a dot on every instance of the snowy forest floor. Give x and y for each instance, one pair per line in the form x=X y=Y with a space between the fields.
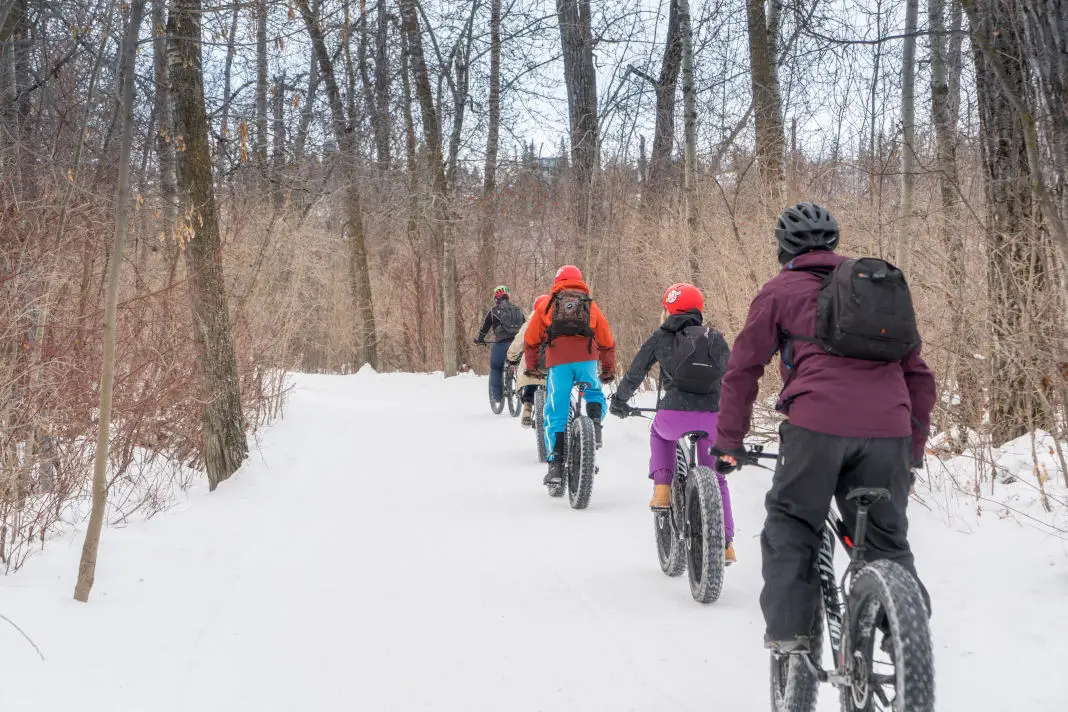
x=389 y=546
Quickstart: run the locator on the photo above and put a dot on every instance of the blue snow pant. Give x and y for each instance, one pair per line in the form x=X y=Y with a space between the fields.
x=558 y=396
x=498 y=355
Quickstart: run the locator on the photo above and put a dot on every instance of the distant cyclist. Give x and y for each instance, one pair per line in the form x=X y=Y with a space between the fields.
x=693 y=358
x=577 y=338
x=505 y=320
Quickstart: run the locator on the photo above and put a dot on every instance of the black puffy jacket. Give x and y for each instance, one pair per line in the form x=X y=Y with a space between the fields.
x=493 y=321
x=656 y=349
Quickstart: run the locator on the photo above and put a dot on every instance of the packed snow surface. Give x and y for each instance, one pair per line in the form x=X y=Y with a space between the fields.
x=389 y=546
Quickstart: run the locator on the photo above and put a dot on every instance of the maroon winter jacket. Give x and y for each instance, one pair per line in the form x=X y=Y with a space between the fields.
x=827 y=394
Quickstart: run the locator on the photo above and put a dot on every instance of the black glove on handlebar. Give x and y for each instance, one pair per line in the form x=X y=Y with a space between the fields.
x=618 y=408
x=740 y=455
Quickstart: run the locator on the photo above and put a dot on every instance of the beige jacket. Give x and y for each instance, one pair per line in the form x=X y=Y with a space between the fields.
x=515 y=355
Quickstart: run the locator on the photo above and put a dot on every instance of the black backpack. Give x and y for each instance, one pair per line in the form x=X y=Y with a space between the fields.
x=510 y=318
x=865 y=311
x=570 y=315
x=697 y=362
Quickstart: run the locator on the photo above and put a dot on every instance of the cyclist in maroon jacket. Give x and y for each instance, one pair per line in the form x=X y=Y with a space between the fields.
x=849 y=423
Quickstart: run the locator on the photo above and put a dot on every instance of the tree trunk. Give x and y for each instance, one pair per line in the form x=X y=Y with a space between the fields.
x=91 y=546
x=436 y=168
x=168 y=214
x=309 y=101
x=580 y=78
x=945 y=101
x=260 y=150
x=1017 y=278
x=908 y=134
x=487 y=242
x=767 y=103
x=278 y=150
x=664 y=132
x=382 y=127
x=1045 y=24
x=690 y=131
x=367 y=338
x=412 y=223
x=224 y=127
x=223 y=423
x=462 y=61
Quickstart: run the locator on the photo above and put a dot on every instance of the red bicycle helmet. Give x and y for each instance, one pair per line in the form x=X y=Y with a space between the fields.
x=566 y=273
x=682 y=297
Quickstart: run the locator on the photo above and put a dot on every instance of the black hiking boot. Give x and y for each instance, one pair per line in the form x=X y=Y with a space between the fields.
x=556 y=465
x=593 y=410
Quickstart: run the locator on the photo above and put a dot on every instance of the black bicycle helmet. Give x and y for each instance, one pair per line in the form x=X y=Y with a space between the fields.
x=805 y=227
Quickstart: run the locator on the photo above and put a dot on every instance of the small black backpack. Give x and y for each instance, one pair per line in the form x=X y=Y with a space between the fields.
x=865 y=311
x=510 y=317
x=570 y=314
x=697 y=361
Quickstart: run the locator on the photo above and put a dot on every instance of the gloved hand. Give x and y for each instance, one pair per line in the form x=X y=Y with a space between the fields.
x=607 y=376
x=618 y=408
x=534 y=373
x=479 y=340
x=727 y=459
x=514 y=363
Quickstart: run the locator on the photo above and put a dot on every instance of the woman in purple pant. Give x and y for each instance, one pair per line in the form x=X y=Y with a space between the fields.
x=693 y=358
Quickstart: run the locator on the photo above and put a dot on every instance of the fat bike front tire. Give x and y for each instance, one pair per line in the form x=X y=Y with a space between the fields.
x=511 y=395
x=905 y=683
x=539 y=423
x=705 y=543
x=580 y=465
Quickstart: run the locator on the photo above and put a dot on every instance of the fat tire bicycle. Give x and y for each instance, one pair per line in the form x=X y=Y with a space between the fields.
x=689 y=534
x=882 y=602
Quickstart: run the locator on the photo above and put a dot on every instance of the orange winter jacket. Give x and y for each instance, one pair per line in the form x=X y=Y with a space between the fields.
x=570 y=349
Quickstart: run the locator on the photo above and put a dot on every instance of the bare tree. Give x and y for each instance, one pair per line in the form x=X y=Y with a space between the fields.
x=580 y=78
x=1017 y=275
x=690 y=131
x=91 y=546
x=767 y=101
x=488 y=247
x=164 y=138
x=228 y=65
x=908 y=133
x=354 y=219
x=436 y=168
x=382 y=123
x=666 y=89
x=260 y=150
x=224 y=443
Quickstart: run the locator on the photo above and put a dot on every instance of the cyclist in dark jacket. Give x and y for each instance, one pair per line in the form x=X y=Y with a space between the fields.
x=850 y=423
x=505 y=319
x=679 y=412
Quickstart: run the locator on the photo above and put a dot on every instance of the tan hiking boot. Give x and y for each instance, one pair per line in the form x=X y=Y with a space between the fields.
x=527 y=418
x=661 y=497
x=728 y=556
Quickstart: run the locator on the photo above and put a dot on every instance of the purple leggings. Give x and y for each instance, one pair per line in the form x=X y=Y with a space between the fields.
x=669 y=426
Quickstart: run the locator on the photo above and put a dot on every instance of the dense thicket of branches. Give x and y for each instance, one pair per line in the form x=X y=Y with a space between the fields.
x=376 y=166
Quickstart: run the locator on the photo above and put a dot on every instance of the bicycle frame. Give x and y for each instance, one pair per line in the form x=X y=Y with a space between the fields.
x=835 y=612
x=576 y=400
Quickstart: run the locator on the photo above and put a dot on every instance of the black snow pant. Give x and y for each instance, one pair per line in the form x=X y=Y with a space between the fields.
x=811 y=469
x=527 y=395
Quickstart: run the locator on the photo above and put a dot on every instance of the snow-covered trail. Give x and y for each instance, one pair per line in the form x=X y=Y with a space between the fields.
x=389 y=546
